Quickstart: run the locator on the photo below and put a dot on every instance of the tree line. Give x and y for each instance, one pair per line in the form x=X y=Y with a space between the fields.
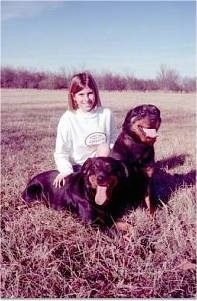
x=167 y=79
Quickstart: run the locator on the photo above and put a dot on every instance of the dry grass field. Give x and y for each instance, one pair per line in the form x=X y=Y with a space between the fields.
x=45 y=253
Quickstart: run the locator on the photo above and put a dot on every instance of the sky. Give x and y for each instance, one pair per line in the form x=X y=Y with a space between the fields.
x=123 y=37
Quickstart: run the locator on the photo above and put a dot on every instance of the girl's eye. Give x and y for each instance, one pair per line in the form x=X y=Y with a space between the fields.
x=82 y=94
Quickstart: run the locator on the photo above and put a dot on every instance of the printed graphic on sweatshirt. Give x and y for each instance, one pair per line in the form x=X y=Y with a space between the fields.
x=95 y=138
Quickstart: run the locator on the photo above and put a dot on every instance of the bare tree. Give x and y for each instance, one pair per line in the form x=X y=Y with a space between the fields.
x=168 y=79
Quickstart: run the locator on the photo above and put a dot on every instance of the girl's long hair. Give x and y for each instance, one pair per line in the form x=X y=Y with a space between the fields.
x=79 y=82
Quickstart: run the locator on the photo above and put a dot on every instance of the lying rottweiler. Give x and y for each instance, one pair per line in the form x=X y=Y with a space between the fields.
x=94 y=193
x=134 y=147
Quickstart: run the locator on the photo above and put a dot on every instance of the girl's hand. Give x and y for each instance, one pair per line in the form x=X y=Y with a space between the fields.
x=59 y=181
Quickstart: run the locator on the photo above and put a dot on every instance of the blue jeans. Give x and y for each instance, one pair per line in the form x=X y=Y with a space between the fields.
x=76 y=167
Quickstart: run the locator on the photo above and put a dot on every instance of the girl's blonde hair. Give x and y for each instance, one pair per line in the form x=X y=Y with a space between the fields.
x=79 y=82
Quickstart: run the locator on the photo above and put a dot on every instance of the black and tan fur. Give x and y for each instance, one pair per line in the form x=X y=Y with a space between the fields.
x=80 y=192
x=135 y=149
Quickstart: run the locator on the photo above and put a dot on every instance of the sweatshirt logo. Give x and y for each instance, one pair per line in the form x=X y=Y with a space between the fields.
x=95 y=138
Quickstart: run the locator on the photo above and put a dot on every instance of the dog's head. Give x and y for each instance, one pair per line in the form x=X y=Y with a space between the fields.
x=143 y=122
x=103 y=174
x=33 y=191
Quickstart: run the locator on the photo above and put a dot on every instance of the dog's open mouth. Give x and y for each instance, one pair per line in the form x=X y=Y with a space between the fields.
x=150 y=133
x=103 y=189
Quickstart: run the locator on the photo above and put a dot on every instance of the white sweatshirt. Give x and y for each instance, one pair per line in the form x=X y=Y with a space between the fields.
x=78 y=135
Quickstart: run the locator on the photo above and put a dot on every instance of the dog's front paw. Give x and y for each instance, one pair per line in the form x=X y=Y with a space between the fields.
x=122 y=226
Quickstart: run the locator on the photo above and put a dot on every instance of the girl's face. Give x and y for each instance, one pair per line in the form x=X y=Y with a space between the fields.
x=85 y=99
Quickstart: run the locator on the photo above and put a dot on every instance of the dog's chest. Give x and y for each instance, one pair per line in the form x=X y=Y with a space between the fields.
x=139 y=154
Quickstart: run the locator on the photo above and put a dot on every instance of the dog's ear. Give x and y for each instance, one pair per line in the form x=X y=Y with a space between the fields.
x=32 y=192
x=128 y=119
x=87 y=165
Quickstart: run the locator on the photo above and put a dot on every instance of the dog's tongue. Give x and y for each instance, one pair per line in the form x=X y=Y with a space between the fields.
x=101 y=195
x=152 y=133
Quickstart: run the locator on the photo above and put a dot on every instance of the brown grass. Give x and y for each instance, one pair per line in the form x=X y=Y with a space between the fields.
x=46 y=253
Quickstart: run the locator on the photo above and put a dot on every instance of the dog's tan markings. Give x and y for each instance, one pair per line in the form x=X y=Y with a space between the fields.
x=127 y=140
x=137 y=128
x=122 y=226
x=148 y=171
x=148 y=203
x=93 y=181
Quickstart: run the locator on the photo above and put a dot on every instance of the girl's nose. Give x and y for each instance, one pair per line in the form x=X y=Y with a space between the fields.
x=87 y=97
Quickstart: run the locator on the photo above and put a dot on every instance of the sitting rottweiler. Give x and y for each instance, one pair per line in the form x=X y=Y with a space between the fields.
x=134 y=147
x=94 y=193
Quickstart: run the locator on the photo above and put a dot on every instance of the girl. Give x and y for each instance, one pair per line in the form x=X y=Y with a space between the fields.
x=85 y=130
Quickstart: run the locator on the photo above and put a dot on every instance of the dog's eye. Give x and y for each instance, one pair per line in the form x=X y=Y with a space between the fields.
x=143 y=114
x=154 y=111
x=97 y=164
x=107 y=167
